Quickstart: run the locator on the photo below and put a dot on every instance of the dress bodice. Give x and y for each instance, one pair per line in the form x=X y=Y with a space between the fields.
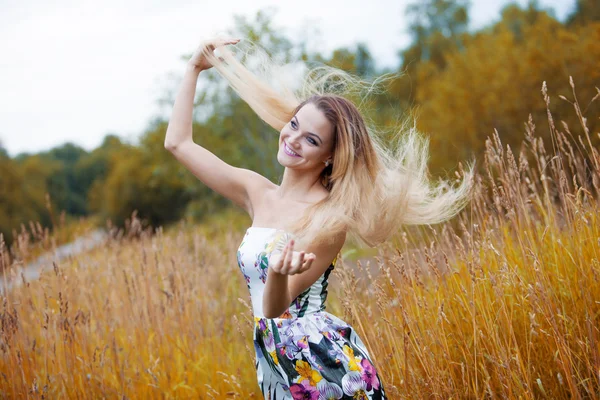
x=253 y=260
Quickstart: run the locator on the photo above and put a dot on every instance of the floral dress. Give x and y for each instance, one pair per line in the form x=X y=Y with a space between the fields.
x=306 y=353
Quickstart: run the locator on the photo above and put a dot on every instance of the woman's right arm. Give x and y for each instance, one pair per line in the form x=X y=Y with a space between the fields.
x=237 y=184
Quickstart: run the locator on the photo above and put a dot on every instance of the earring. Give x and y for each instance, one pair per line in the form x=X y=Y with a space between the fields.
x=327 y=163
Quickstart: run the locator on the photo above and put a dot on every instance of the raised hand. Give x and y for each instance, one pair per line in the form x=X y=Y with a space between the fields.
x=290 y=262
x=199 y=59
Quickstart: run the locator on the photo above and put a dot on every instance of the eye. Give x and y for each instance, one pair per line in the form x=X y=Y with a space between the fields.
x=311 y=140
x=293 y=124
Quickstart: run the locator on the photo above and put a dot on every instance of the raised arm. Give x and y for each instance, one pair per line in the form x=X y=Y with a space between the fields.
x=237 y=184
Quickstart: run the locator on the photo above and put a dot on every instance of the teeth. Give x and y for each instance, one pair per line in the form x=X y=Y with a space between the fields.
x=290 y=150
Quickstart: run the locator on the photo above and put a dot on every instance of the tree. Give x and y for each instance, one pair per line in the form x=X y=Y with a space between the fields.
x=495 y=84
x=260 y=31
x=23 y=189
x=586 y=11
x=437 y=27
x=516 y=19
x=94 y=167
x=3 y=152
x=62 y=185
x=356 y=60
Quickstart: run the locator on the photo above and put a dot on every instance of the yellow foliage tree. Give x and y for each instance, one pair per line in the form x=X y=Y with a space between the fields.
x=495 y=83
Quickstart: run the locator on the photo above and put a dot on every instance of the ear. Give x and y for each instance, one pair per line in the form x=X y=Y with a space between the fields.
x=330 y=157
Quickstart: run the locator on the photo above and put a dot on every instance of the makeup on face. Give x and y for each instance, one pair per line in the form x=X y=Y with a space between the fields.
x=287 y=150
x=306 y=136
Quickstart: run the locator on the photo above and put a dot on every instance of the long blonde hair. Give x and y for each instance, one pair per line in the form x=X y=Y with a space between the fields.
x=374 y=187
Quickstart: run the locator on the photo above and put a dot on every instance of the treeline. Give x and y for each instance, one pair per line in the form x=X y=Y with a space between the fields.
x=460 y=85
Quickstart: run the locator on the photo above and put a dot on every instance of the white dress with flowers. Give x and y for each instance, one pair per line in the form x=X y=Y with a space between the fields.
x=307 y=353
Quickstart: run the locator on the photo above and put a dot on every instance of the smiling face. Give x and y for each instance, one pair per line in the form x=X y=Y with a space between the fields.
x=307 y=140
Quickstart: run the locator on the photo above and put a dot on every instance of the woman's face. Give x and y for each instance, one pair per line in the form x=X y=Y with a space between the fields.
x=307 y=140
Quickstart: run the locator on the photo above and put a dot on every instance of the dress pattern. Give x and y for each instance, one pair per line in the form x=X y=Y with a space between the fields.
x=306 y=353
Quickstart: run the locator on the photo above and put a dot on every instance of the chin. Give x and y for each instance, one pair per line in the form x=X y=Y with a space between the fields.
x=281 y=159
x=285 y=160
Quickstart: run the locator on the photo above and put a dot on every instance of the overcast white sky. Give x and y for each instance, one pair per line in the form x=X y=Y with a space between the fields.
x=78 y=70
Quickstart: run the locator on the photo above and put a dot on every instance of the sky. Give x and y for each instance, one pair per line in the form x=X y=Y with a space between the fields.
x=75 y=71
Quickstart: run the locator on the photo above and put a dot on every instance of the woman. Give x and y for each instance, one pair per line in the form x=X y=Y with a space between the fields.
x=338 y=179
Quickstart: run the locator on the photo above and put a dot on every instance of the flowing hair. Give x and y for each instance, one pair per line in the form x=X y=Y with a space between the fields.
x=375 y=186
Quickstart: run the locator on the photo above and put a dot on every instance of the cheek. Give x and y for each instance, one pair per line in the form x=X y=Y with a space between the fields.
x=315 y=152
x=283 y=133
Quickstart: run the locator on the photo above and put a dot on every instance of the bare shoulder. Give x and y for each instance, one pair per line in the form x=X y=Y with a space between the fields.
x=257 y=181
x=257 y=187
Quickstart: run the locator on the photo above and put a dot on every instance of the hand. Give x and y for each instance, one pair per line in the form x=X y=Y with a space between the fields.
x=199 y=59
x=291 y=262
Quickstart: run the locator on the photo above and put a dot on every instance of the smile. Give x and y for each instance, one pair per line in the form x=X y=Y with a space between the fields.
x=289 y=151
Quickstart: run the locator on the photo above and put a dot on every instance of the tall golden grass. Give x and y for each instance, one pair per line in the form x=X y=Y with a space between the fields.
x=35 y=240
x=502 y=302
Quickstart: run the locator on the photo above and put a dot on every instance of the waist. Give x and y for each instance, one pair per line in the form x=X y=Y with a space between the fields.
x=290 y=316
x=296 y=310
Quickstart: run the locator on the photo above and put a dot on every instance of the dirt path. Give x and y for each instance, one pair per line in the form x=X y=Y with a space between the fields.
x=32 y=270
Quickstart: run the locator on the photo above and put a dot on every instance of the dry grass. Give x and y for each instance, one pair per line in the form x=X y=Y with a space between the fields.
x=502 y=302
x=35 y=240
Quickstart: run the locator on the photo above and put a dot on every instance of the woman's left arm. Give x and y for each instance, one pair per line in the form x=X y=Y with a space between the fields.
x=289 y=276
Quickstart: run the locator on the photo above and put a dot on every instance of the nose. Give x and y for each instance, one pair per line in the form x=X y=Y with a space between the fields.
x=293 y=140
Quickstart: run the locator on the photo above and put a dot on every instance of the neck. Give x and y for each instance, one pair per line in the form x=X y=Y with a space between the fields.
x=298 y=185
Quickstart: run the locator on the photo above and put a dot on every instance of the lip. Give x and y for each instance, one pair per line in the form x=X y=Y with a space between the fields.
x=286 y=149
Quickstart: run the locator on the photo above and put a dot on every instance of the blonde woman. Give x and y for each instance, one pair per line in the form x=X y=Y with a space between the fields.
x=338 y=179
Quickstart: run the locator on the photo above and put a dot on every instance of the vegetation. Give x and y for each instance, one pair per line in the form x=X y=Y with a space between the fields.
x=461 y=86
x=501 y=302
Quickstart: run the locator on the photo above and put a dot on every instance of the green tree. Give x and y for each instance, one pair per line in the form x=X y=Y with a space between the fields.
x=23 y=188
x=3 y=152
x=260 y=30
x=146 y=178
x=437 y=27
x=356 y=60
x=586 y=11
x=62 y=184
x=93 y=168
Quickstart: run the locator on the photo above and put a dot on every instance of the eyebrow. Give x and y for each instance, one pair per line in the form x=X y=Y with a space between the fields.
x=310 y=133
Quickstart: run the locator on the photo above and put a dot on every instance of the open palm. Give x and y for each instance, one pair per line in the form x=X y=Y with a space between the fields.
x=290 y=262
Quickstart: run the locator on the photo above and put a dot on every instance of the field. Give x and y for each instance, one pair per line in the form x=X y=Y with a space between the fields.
x=501 y=302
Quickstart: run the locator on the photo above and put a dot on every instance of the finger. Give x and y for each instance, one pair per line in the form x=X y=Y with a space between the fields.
x=298 y=264
x=284 y=265
x=282 y=258
x=310 y=257
x=306 y=265
x=278 y=265
x=224 y=42
x=288 y=256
